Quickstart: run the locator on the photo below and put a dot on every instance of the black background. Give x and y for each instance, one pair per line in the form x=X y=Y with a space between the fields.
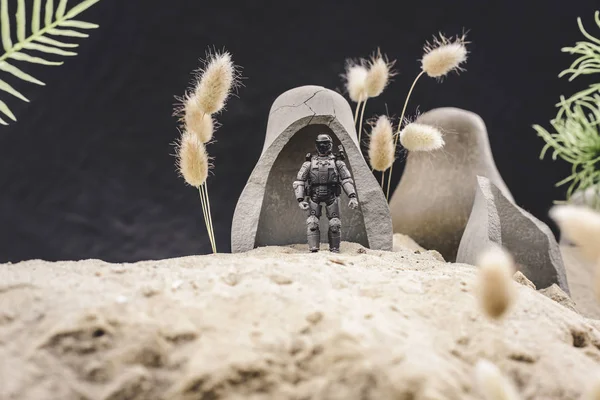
x=88 y=172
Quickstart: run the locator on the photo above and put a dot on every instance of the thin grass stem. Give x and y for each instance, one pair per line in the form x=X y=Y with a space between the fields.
x=212 y=229
x=356 y=112
x=205 y=213
x=362 y=114
x=203 y=203
x=209 y=217
x=397 y=135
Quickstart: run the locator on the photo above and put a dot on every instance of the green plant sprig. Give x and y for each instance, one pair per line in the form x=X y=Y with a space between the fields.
x=57 y=22
x=576 y=128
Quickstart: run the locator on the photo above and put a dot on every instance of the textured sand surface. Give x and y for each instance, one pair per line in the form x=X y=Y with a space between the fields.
x=277 y=323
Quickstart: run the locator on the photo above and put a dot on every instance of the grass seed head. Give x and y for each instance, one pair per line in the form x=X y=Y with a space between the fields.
x=215 y=82
x=581 y=225
x=196 y=121
x=592 y=391
x=381 y=144
x=378 y=75
x=421 y=137
x=355 y=77
x=492 y=384
x=192 y=160
x=444 y=55
x=496 y=288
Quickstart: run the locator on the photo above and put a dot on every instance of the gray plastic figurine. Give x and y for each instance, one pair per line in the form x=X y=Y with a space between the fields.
x=321 y=178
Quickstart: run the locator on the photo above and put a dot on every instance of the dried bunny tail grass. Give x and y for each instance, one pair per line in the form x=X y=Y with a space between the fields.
x=215 y=82
x=443 y=55
x=355 y=77
x=192 y=160
x=421 y=137
x=378 y=75
x=196 y=121
x=592 y=391
x=581 y=225
x=381 y=144
x=492 y=384
x=194 y=164
x=496 y=288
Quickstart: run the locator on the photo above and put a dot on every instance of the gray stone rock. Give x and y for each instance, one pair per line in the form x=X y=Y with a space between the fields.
x=434 y=198
x=522 y=279
x=555 y=293
x=496 y=219
x=405 y=242
x=267 y=212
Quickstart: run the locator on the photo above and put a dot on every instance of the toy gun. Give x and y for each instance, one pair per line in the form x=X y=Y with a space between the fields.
x=341 y=153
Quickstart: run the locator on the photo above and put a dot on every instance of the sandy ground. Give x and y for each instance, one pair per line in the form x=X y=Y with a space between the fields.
x=278 y=323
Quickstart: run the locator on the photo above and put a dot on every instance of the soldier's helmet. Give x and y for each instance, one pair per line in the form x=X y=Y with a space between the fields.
x=324 y=144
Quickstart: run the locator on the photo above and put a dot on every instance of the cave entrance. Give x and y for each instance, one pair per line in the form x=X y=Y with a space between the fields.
x=281 y=218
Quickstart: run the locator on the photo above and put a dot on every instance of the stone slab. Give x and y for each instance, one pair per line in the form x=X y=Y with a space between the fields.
x=433 y=200
x=496 y=219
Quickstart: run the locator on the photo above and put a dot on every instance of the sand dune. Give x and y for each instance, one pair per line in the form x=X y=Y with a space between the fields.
x=278 y=323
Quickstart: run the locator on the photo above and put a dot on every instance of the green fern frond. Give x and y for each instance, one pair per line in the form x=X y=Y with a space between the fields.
x=57 y=22
x=576 y=128
x=9 y=89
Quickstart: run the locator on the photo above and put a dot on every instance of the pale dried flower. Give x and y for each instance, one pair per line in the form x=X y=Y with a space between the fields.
x=215 y=82
x=197 y=121
x=356 y=76
x=192 y=160
x=495 y=285
x=421 y=137
x=592 y=391
x=381 y=144
x=378 y=75
x=492 y=384
x=443 y=55
x=580 y=225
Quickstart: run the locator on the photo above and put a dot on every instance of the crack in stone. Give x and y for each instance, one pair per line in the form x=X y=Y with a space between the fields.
x=313 y=111
x=310 y=108
x=298 y=105
x=332 y=118
x=310 y=98
x=329 y=122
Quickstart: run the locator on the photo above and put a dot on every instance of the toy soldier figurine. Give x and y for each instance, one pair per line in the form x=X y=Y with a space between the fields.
x=321 y=178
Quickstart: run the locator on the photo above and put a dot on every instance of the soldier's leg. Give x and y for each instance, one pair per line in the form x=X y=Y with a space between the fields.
x=335 y=225
x=312 y=226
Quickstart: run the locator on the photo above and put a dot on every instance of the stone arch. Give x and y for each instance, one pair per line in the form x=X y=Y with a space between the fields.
x=273 y=218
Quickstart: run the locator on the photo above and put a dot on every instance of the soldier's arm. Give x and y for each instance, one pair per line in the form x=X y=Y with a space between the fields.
x=300 y=181
x=346 y=179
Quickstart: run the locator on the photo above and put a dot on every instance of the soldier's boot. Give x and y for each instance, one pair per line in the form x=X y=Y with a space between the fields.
x=335 y=234
x=313 y=234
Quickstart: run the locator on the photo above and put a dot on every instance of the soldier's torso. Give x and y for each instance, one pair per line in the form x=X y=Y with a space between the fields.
x=323 y=178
